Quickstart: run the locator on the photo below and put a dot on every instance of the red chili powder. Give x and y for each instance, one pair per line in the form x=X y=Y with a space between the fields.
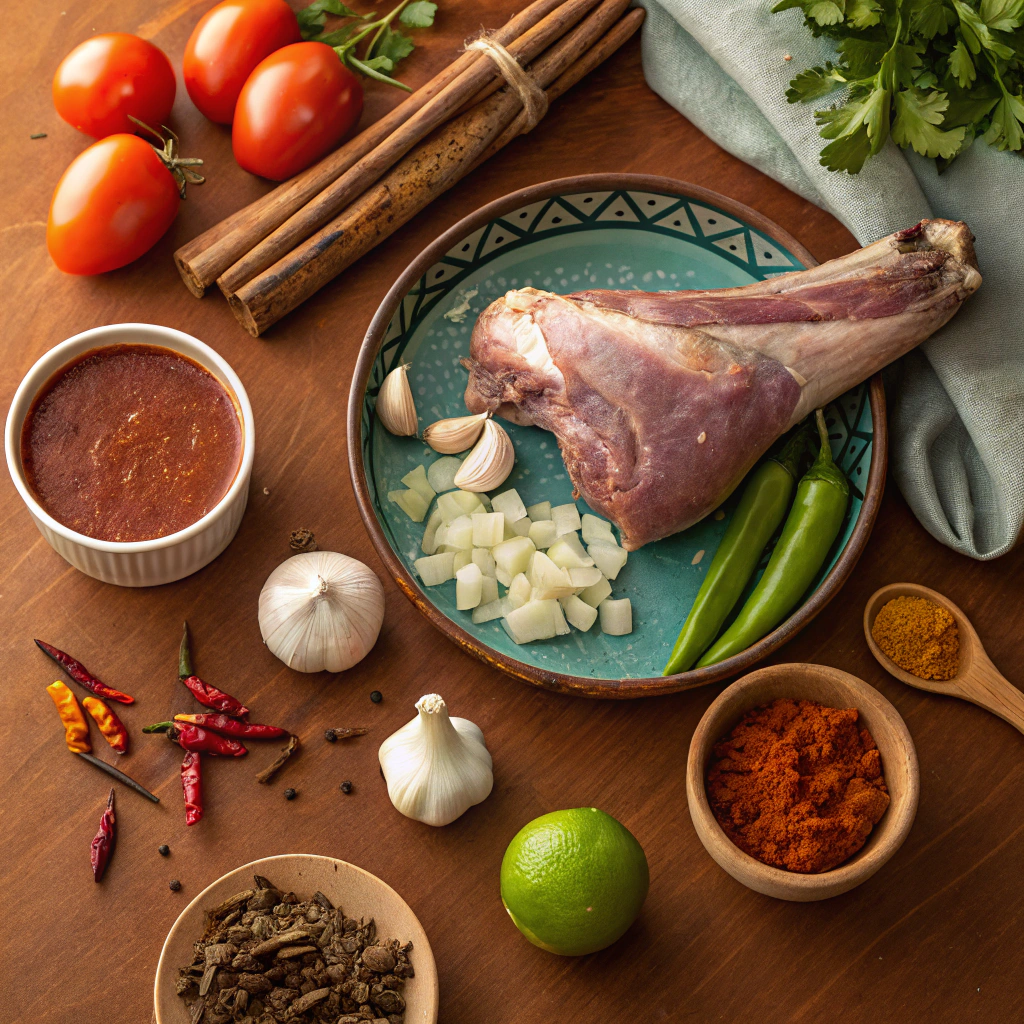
x=797 y=785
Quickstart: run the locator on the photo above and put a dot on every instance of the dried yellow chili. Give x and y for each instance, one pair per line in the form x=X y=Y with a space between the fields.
x=76 y=728
x=109 y=724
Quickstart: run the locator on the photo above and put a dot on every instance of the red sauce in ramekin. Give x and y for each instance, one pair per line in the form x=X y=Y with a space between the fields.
x=131 y=442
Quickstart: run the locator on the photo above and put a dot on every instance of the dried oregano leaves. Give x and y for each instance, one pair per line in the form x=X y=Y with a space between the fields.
x=266 y=958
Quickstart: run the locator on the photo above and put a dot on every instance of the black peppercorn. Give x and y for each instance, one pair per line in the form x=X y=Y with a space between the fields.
x=376 y=696
x=346 y=787
x=174 y=885
x=164 y=851
x=330 y=735
x=290 y=794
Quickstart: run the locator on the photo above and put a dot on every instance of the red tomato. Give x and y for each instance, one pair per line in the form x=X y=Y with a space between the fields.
x=229 y=41
x=113 y=203
x=296 y=106
x=106 y=78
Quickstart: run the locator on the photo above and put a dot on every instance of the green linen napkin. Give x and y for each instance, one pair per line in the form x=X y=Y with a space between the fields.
x=957 y=422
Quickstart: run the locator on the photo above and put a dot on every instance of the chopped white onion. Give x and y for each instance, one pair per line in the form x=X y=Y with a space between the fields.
x=488 y=529
x=609 y=558
x=616 y=617
x=460 y=533
x=568 y=552
x=436 y=569
x=429 y=543
x=441 y=474
x=543 y=533
x=468 y=586
x=510 y=504
x=566 y=518
x=417 y=481
x=411 y=503
x=578 y=612
x=485 y=560
x=597 y=593
x=597 y=529
x=540 y=512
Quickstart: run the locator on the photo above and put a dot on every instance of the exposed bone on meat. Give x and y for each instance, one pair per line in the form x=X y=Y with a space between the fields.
x=629 y=382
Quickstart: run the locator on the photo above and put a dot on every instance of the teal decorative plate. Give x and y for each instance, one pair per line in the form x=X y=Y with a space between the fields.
x=596 y=231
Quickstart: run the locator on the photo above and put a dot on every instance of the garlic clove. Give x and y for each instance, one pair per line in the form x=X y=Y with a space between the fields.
x=436 y=767
x=321 y=611
x=455 y=435
x=395 y=406
x=489 y=463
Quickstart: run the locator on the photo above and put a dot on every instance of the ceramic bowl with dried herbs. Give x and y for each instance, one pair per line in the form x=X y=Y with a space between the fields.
x=296 y=938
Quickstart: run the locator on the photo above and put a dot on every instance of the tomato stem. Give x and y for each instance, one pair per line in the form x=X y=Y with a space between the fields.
x=179 y=166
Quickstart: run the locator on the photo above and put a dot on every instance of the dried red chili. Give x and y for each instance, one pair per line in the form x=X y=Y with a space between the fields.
x=232 y=727
x=192 y=786
x=81 y=675
x=103 y=844
x=76 y=728
x=109 y=724
x=192 y=737
x=207 y=695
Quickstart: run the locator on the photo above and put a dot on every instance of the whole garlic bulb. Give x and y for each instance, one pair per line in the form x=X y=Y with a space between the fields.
x=436 y=767
x=321 y=610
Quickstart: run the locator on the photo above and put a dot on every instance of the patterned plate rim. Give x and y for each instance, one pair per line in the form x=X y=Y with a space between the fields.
x=558 y=681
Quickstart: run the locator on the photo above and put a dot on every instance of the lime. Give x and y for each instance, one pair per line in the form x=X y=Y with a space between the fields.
x=574 y=881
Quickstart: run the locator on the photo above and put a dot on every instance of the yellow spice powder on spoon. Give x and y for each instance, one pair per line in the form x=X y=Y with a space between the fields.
x=919 y=636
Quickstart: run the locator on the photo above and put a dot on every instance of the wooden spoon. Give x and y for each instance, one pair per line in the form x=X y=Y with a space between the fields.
x=977 y=679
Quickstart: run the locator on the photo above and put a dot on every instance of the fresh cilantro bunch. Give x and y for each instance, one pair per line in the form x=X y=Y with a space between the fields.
x=387 y=46
x=933 y=74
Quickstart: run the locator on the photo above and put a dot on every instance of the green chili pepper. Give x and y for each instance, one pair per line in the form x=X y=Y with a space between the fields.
x=810 y=531
x=761 y=509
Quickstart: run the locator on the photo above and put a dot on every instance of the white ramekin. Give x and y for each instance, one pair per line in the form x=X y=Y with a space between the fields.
x=145 y=563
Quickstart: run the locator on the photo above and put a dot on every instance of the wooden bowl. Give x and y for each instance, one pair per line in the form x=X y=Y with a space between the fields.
x=833 y=688
x=357 y=891
x=651 y=232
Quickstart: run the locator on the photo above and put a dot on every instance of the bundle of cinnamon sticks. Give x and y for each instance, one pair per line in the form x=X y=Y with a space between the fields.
x=275 y=253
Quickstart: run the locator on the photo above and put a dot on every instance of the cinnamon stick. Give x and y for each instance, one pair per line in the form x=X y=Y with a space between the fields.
x=202 y=260
x=425 y=173
x=370 y=168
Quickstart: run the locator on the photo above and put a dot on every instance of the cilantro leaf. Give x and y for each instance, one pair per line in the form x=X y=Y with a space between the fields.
x=864 y=13
x=862 y=56
x=825 y=12
x=961 y=67
x=976 y=33
x=419 y=14
x=970 y=107
x=1002 y=15
x=1005 y=132
x=859 y=128
x=394 y=46
x=847 y=153
x=932 y=18
x=379 y=64
x=917 y=116
x=814 y=83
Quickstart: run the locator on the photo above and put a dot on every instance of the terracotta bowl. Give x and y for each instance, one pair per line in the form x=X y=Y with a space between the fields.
x=357 y=891
x=833 y=688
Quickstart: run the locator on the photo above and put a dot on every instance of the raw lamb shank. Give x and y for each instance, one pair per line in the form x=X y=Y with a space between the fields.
x=662 y=401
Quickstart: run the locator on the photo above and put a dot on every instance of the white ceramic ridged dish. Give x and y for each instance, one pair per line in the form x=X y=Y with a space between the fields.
x=144 y=563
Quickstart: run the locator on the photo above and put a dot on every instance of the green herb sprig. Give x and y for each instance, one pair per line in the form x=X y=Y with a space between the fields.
x=931 y=74
x=386 y=46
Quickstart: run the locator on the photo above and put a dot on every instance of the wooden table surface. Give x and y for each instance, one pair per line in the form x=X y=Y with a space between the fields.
x=935 y=935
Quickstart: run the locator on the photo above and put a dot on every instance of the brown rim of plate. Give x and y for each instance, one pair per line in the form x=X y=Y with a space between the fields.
x=558 y=681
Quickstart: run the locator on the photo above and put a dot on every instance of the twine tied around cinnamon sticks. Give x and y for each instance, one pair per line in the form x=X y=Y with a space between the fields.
x=534 y=99
x=272 y=255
